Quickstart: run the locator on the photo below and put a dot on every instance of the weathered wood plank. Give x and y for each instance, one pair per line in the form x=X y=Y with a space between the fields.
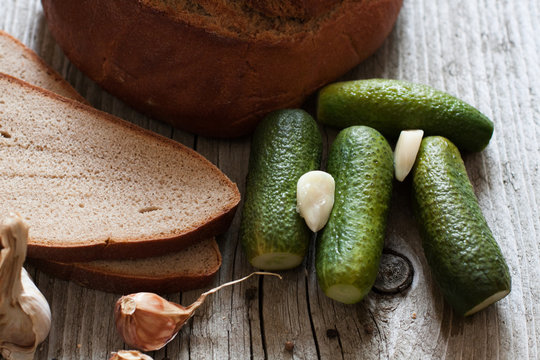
x=487 y=53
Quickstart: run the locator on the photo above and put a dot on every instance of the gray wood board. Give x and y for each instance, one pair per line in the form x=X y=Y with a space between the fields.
x=485 y=52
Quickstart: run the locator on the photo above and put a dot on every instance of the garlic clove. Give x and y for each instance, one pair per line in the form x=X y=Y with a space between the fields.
x=129 y=355
x=405 y=152
x=36 y=307
x=147 y=321
x=315 y=198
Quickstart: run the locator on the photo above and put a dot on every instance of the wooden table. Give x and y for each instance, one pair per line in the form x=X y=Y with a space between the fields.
x=485 y=52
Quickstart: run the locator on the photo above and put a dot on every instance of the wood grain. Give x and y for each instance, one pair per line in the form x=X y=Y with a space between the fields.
x=486 y=52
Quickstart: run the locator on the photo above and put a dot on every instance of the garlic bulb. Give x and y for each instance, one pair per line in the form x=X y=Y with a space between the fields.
x=25 y=316
x=148 y=322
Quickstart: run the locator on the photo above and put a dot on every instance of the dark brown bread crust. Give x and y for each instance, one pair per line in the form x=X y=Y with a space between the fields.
x=121 y=283
x=134 y=249
x=131 y=248
x=300 y=9
x=205 y=80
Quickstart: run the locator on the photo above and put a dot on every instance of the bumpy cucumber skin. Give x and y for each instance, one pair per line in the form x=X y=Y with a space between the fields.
x=391 y=106
x=350 y=247
x=465 y=259
x=285 y=145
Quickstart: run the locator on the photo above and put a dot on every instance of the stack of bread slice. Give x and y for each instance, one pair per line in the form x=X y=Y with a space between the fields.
x=110 y=205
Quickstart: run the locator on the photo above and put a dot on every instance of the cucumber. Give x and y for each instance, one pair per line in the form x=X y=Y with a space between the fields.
x=285 y=145
x=465 y=259
x=391 y=106
x=350 y=247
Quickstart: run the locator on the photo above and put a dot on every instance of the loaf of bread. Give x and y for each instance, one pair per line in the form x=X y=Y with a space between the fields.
x=93 y=186
x=216 y=67
x=191 y=268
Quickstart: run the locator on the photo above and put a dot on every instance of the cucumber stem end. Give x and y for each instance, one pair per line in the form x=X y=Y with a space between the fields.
x=345 y=293
x=276 y=261
x=490 y=300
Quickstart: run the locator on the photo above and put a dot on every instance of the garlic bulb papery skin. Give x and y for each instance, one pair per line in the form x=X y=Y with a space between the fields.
x=25 y=315
x=147 y=321
x=129 y=355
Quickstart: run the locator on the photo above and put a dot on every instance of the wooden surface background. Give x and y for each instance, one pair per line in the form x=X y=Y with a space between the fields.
x=486 y=52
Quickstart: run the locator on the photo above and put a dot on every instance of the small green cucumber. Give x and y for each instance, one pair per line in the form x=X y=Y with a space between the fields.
x=464 y=257
x=285 y=145
x=350 y=247
x=391 y=106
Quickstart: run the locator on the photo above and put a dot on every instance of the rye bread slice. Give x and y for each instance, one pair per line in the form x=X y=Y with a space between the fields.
x=188 y=269
x=21 y=62
x=93 y=186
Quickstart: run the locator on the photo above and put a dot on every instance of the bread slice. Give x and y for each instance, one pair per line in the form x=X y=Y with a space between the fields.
x=19 y=61
x=188 y=269
x=93 y=186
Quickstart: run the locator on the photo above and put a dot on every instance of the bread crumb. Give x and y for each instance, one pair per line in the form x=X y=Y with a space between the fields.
x=289 y=346
x=413 y=316
x=368 y=329
x=331 y=333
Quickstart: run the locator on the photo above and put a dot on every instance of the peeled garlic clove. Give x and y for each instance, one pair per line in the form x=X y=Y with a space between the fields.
x=405 y=153
x=315 y=198
x=129 y=355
